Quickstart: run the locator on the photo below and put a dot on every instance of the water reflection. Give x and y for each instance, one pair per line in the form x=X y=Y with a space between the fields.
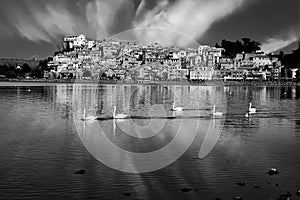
x=38 y=141
x=149 y=129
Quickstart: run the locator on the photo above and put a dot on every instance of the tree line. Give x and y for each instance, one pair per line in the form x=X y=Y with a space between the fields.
x=246 y=45
x=231 y=49
x=14 y=70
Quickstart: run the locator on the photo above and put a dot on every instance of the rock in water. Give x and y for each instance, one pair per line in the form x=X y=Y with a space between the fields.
x=82 y=171
x=273 y=172
x=186 y=189
x=285 y=196
x=242 y=184
x=238 y=198
x=127 y=194
x=298 y=193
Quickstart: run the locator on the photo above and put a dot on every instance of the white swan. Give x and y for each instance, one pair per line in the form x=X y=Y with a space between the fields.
x=216 y=114
x=251 y=110
x=176 y=108
x=84 y=117
x=118 y=116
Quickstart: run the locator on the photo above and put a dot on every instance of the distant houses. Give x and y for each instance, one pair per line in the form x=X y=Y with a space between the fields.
x=131 y=61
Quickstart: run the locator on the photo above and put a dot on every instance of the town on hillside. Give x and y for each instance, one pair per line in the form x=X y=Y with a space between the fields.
x=129 y=61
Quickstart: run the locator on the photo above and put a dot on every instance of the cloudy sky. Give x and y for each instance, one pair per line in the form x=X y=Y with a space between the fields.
x=30 y=28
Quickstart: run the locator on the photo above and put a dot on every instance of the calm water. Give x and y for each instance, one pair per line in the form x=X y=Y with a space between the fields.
x=43 y=141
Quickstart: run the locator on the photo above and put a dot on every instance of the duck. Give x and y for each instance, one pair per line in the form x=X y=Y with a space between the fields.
x=216 y=114
x=120 y=115
x=90 y=117
x=179 y=109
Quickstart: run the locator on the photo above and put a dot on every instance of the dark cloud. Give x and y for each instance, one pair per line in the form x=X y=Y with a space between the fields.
x=260 y=21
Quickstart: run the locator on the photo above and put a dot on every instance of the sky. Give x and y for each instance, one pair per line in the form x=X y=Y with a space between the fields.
x=34 y=28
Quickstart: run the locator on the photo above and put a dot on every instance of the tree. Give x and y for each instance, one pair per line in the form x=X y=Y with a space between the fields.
x=281 y=55
x=3 y=69
x=87 y=73
x=43 y=64
x=8 y=70
x=36 y=73
x=217 y=45
x=11 y=74
x=26 y=68
x=232 y=48
x=291 y=60
x=71 y=76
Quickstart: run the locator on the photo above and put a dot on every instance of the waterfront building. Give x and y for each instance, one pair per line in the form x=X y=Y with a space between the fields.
x=294 y=72
x=201 y=72
x=176 y=73
x=229 y=75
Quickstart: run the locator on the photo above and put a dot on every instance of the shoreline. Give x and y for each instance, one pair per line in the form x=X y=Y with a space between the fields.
x=113 y=82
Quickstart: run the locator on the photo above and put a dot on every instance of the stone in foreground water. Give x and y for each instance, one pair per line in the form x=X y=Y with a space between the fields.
x=285 y=196
x=127 y=194
x=186 y=189
x=238 y=198
x=82 y=171
x=242 y=184
x=273 y=172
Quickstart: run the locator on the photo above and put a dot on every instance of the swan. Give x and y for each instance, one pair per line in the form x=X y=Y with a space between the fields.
x=176 y=108
x=118 y=116
x=251 y=110
x=217 y=114
x=84 y=117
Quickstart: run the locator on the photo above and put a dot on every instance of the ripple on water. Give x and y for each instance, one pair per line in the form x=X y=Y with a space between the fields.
x=40 y=149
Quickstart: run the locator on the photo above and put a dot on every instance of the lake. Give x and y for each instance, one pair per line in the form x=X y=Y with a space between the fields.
x=154 y=153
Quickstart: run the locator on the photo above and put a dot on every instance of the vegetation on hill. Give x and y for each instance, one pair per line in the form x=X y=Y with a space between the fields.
x=232 y=48
x=13 y=70
x=291 y=60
